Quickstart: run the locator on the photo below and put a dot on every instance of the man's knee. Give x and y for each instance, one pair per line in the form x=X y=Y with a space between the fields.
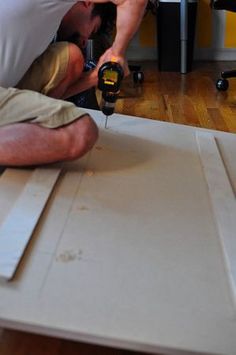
x=82 y=137
x=76 y=61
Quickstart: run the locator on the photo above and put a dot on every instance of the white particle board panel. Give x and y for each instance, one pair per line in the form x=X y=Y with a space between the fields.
x=18 y=226
x=136 y=259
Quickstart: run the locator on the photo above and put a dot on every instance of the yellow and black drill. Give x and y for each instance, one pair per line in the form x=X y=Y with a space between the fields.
x=110 y=75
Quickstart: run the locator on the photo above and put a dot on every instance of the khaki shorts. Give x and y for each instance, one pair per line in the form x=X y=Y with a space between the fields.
x=26 y=103
x=48 y=70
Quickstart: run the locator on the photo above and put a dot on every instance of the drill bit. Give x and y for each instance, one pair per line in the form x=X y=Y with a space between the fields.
x=106 y=122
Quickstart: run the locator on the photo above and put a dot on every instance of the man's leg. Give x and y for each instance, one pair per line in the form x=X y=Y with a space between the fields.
x=23 y=144
x=72 y=75
x=58 y=69
x=35 y=129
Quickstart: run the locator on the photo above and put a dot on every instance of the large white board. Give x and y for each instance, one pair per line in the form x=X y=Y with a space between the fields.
x=128 y=251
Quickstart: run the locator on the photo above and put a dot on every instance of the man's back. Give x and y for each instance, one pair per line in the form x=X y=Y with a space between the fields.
x=26 y=29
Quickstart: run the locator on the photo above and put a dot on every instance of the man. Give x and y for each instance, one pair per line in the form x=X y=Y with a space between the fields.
x=35 y=129
x=58 y=72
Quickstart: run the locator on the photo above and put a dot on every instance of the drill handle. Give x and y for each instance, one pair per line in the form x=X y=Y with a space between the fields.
x=110 y=75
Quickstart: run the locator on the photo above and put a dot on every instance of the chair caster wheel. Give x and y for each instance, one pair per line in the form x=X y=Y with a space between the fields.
x=222 y=84
x=138 y=77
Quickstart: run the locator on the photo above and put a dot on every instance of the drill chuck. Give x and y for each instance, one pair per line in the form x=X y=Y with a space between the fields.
x=108 y=102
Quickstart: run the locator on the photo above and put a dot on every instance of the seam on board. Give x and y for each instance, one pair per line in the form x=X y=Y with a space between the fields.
x=64 y=226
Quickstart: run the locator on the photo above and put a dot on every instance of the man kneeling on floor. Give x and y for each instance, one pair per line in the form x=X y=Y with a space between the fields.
x=36 y=127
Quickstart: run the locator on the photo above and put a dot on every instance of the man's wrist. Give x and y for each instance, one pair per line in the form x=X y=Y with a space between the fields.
x=118 y=50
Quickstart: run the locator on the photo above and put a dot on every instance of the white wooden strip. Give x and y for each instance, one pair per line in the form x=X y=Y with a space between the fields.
x=17 y=228
x=222 y=198
x=12 y=183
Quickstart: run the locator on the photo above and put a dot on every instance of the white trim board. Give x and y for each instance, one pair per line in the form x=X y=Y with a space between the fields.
x=17 y=228
x=223 y=200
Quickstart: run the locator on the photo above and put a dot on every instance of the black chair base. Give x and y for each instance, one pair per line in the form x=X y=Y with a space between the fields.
x=222 y=84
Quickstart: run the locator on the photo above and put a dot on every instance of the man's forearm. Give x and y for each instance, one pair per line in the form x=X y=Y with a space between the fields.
x=85 y=82
x=129 y=17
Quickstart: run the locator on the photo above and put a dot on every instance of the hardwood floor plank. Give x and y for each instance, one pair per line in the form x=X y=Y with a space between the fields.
x=229 y=118
x=203 y=115
x=217 y=118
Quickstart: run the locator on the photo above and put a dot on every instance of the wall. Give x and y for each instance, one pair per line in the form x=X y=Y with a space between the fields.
x=215 y=36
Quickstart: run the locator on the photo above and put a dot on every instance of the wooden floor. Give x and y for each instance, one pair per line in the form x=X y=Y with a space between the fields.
x=190 y=99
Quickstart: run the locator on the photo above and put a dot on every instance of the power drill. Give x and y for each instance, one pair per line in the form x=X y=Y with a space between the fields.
x=110 y=75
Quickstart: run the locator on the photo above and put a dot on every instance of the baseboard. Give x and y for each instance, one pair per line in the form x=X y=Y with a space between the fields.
x=228 y=54
x=215 y=54
x=136 y=53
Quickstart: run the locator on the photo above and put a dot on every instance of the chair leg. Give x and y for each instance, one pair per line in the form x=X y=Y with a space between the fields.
x=228 y=74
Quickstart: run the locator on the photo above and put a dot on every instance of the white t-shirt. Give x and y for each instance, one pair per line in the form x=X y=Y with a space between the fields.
x=26 y=29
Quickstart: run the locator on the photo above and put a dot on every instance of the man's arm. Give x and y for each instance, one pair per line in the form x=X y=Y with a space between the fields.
x=129 y=17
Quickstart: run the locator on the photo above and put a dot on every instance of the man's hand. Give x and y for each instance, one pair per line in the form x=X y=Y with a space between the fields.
x=90 y=79
x=108 y=56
